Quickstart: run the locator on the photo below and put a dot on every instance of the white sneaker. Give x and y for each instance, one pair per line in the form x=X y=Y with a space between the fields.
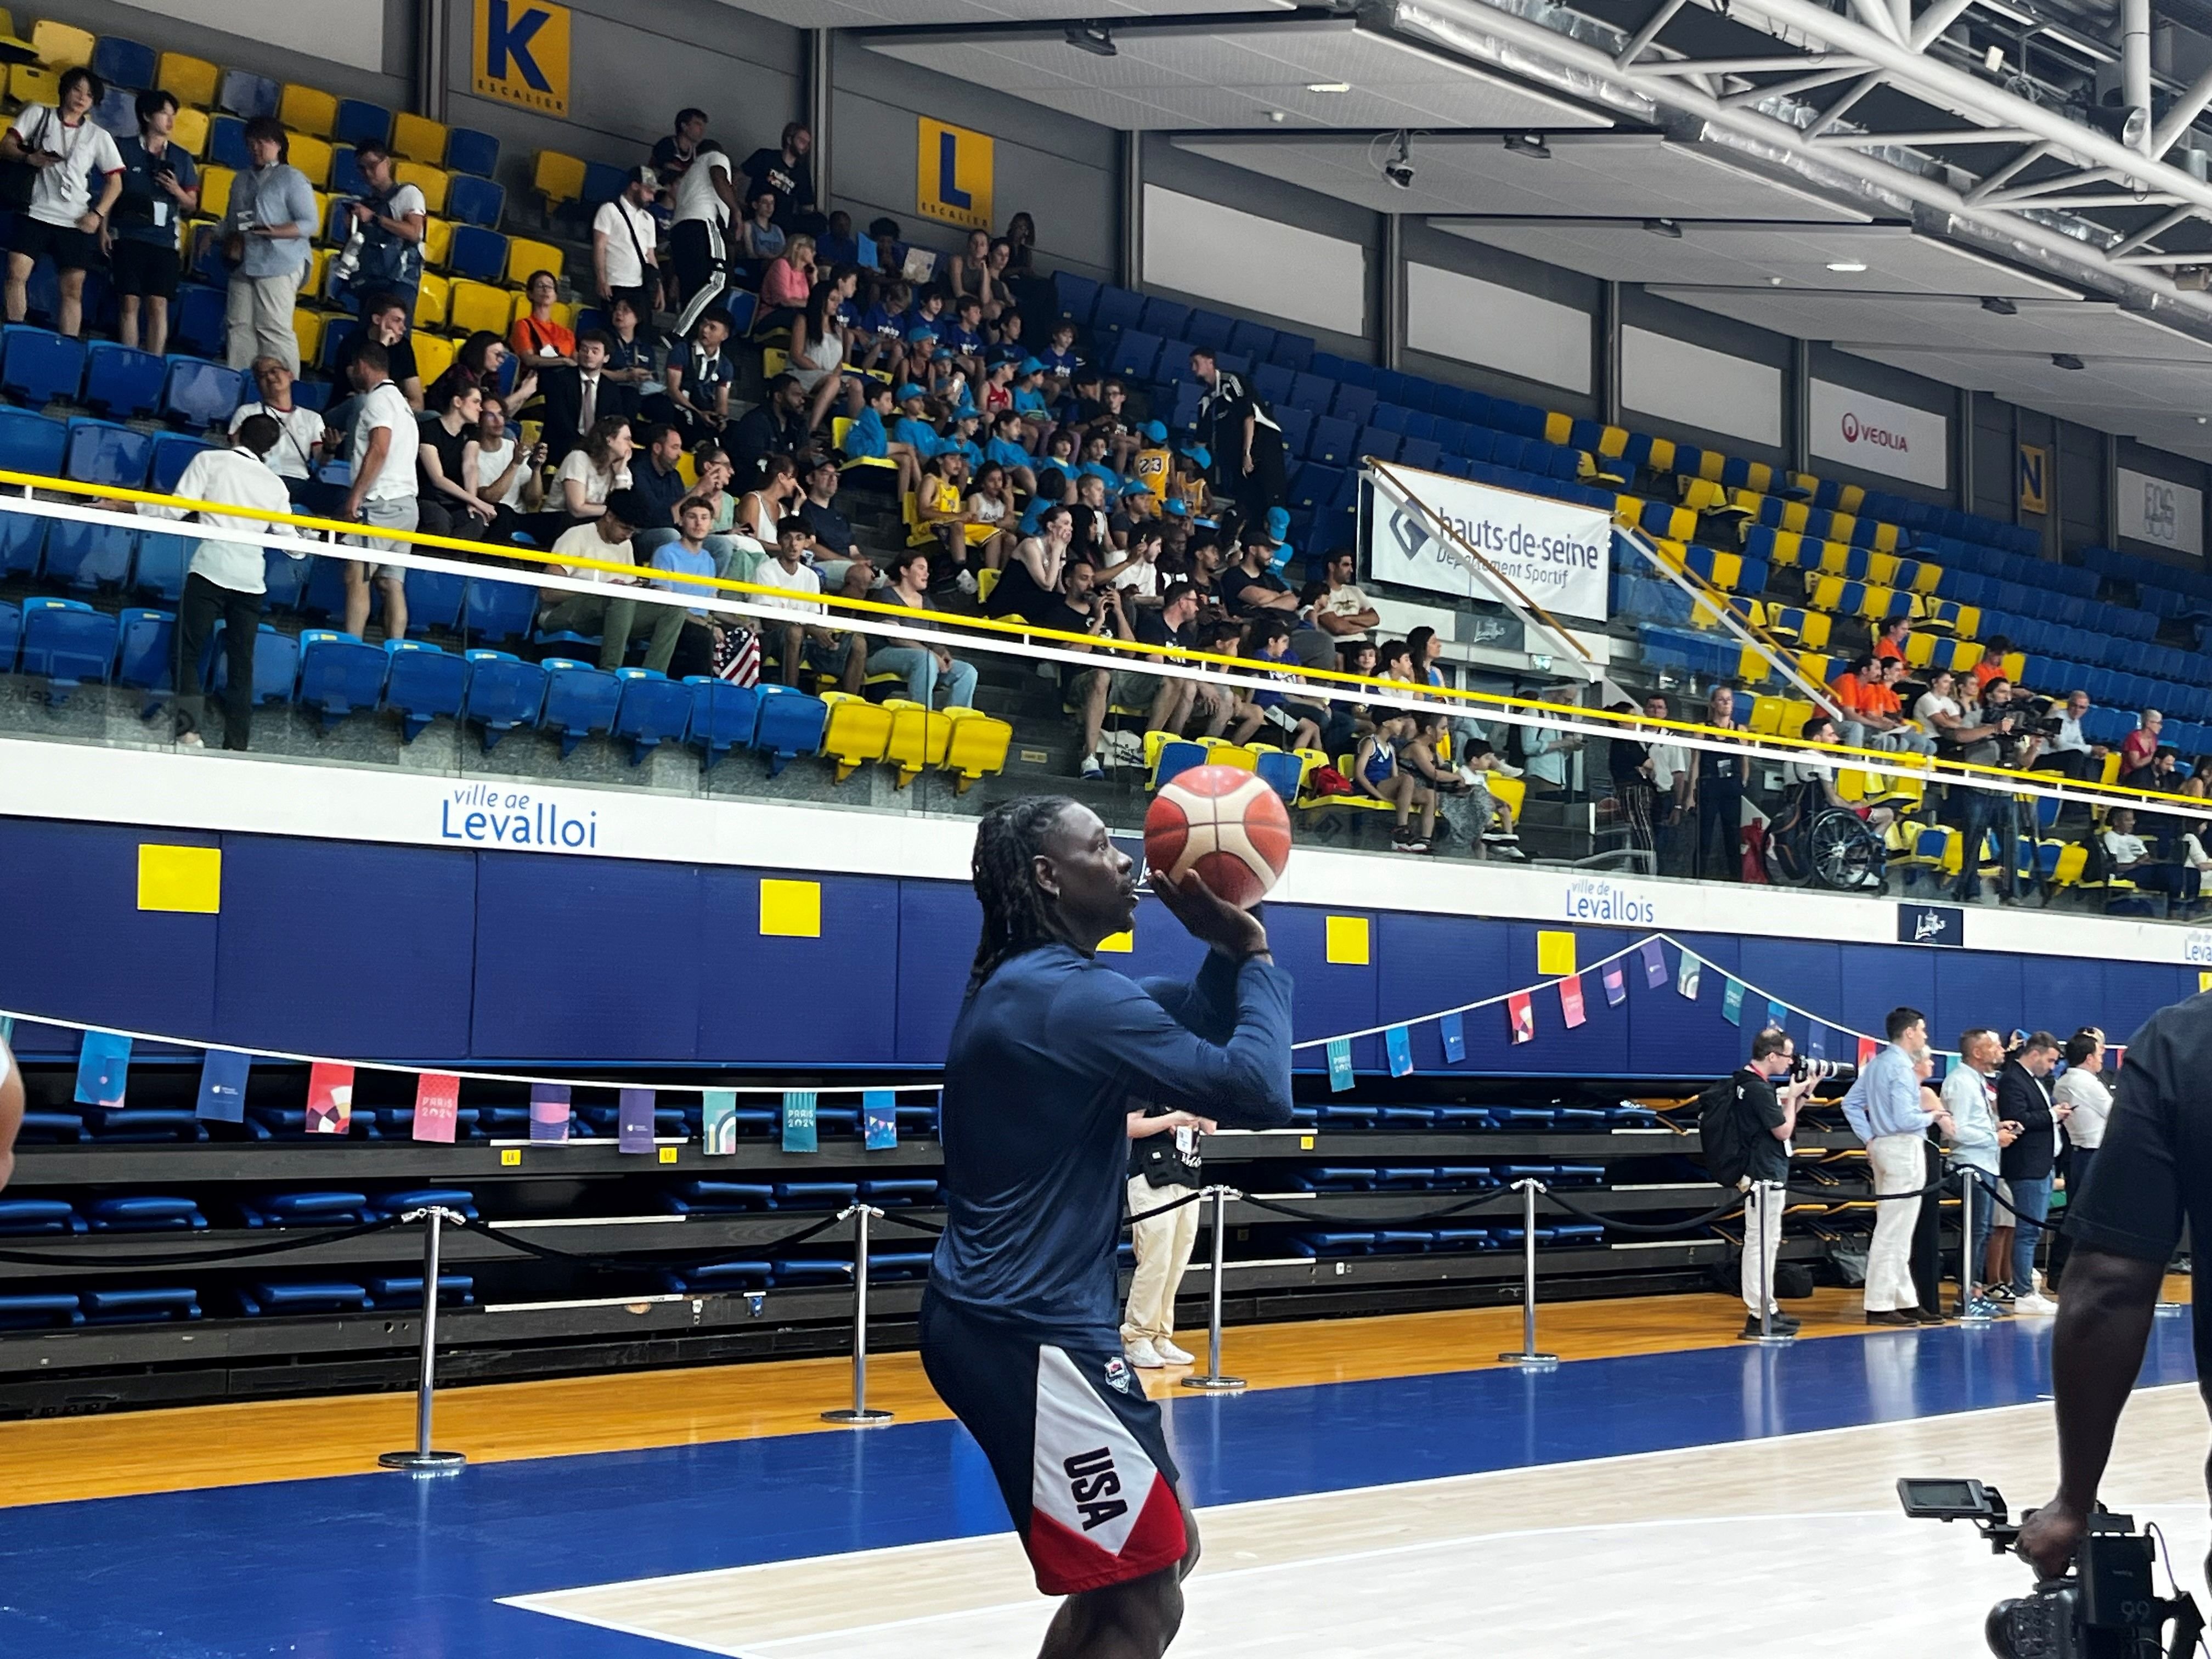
x=1143 y=1355
x=1167 y=1350
x=1093 y=772
x=2034 y=1304
x=965 y=582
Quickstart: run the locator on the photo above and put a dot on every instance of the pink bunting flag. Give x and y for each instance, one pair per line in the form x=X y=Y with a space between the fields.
x=1523 y=1014
x=329 y=1098
x=1570 y=999
x=1867 y=1048
x=437 y=1106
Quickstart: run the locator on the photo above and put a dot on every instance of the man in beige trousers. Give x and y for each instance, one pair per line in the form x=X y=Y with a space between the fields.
x=1163 y=1166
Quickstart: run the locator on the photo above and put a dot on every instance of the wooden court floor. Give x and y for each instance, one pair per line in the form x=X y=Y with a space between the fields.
x=59 y=1460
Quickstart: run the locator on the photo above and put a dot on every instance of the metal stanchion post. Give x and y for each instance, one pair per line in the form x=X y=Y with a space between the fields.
x=1528 y=1359
x=422 y=1460
x=860 y=1414
x=1213 y=1380
x=1972 y=1310
x=1766 y=1193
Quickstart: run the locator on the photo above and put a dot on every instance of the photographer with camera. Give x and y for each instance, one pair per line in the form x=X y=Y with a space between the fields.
x=1745 y=1131
x=1885 y=1110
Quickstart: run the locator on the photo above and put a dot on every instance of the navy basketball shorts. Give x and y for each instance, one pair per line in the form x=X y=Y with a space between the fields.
x=1080 y=1453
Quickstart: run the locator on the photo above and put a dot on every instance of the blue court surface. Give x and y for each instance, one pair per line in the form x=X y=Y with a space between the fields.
x=383 y=1565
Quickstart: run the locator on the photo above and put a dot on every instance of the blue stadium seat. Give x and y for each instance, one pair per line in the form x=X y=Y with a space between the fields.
x=603 y=182
x=336 y=333
x=1164 y=317
x=346 y=177
x=141 y=1304
x=276 y=664
x=120 y=382
x=264 y=1297
x=1073 y=296
x=67 y=642
x=360 y=122
x=477 y=203
x=471 y=152
x=478 y=254
x=654 y=710
x=29 y=442
x=11 y=634
x=1293 y=352
x=791 y=723
x=1135 y=354
x=284 y=579
x=1352 y=402
x=86 y=556
x=196 y=320
x=172 y=453
x=104 y=452
x=144 y=1213
x=200 y=394
x=423 y=683
x=22 y=537
x=32 y=1218
x=724 y=717
x=324 y=594
x=503 y=692
x=226 y=144
x=121 y=63
x=145 y=652
x=1115 y=309
x=1253 y=340
x=580 y=700
x=38 y=365
x=493 y=610
x=1209 y=329
x=434 y=597
x=27 y=1310
x=246 y=95
x=454 y=1291
x=338 y=674
x=1331 y=441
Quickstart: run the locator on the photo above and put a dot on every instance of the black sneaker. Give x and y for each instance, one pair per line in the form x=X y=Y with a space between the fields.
x=1889 y=1316
x=1999 y=1294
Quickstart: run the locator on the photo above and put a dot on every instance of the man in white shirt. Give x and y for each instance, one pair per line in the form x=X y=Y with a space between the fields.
x=698 y=236
x=225 y=579
x=384 y=230
x=2081 y=1089
x=623 y=232
x=70 y=151
x=1670 y=785
x=845 y=654
x=613 y=614
x=1971 y=1129
x=383 y=493
x=1343 y=612
x=300 y=429
x=2070 y=752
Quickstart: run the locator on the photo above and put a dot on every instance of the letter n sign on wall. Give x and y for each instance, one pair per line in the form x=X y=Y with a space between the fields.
x=2034 y=478
x=521 y=54
x=952 y=175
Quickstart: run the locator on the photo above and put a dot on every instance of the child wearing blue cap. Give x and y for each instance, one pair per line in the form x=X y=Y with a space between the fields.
x=1153 y=465
x=1003 y=447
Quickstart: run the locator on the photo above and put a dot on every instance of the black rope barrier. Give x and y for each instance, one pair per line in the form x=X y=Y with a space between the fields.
x=632 y=1264
x=1481 y=1201
x=187 y=1258
x=1989 y=1191
x=1187 y=1197
x=1654 y=1229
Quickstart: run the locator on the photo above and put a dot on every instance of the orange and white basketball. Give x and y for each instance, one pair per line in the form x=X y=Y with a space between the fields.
x=1224 y=823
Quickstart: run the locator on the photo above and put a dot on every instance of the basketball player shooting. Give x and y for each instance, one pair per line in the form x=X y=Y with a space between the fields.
x=1020 y=1324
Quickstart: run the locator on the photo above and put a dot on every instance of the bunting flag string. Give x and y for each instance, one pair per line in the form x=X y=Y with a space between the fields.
x=880 y=1120
x=1731 y=998
x=718 y=1119
x=222 y=1086
x=1570 y=1001
x=634 y=1121
x=437 y=1107
x=799 y=1121
x=1453 y=1029
x=329 y=1098
x=1522 y=1013
x=1398 y=1046
x=1616 y=985
x=548 y=1111
x=1689 y=976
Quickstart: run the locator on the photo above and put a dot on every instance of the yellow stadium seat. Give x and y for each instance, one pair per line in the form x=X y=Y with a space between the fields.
x=1882 y=567
x=322 y=199
x=479 y=306
x=2014 y=664
x=2111 y=775
x=1511 y=792
x=33 y=83
x=1874 y=604
x=1965 y=654
x=214 y=191
x=190 y=133
x=434 y=355
x=1825 y=593
x=1851 y=784
x=1766 y=715
x=193 y=80
x=1558 y=427
x=773 y=361
x=1969 y=622
x=62 y=45
x=557 y=178
x=308 y=110
x=432 y=181
x=857 y=731
x=1795 y=711
x=418 y=139
x=308 y=325
x=977 y=746
x=1613 y=442
x=1919 y=650
x=687 y=468
x=313 y=157
x=437 y=242
x=432 y=301
x=318 y=270
x=524 y=256
x=2073 y=858
x=1813 y=636
x=919 y=737
x=986 y=580
x=1700 y=495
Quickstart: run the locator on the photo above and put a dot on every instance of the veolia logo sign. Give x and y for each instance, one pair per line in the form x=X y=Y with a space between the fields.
x=1594 y=900
x=1880 y=437
x=1865 y=431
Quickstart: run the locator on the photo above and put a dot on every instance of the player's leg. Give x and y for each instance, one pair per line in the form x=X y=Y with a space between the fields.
x=1135 y=1620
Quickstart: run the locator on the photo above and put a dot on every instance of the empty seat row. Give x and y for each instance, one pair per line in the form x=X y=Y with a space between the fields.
x=117 y=1213
x=1438 y=1240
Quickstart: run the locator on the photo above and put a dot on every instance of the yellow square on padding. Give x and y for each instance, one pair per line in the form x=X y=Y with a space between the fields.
x=1555 y=952
x=791 y=909
x=188 y=878
x=1119 y=944
x=1347 y=941
x=2203 y=980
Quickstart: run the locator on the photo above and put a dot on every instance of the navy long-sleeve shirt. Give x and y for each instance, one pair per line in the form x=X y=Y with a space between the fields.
x=1044 y=1059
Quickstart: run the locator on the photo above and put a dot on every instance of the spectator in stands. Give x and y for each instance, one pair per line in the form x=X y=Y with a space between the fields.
x=1814 y=780
x=1970 y=1125
x=695 y=396
x=383 y=493
x=1495 y=825
x=924 y=662
x=1343 y=612
x=384 y=320
x=594 y=471
x=160 y=190
x=843 y=565
x=581 y=394
x=448 y=507
x=1021 y=247
x=786 y=285
x=1289 y=725
x=499 y=470
x=63 y=220
x=1246 y=444
x=632 y=348
x=759 y=240
x=2024 y=1097
x=1889 y=640
x=786 y=173
x=1251 y=587
x=225 y=580
x=1628 y=761
x=2140 y=747
x=774 y=426
x=1672 y=779
x=1376 y=772
x=808 y=643
x=612 y=612
x=541 y=339
x=2127 y=858
x=1886 y=1111
x=991 y=507
x=818 y=359
x=268 y=233
x=300 y=441
x=478 y=363
x=1995 y=650
x=836 y=243
x=384 y=245
x=706 y=208
x=1084 y=608
x=1030 y=579
x=2069 y=753
x=2088 y=1106
x=1880 y=696
x=1857 y=690
x=774 y=499
x=1936 y=709
x=672 y=155
x=683 y=553
x=625 y=260
x=657 y=475
x=1716 y=797
x=969 y=275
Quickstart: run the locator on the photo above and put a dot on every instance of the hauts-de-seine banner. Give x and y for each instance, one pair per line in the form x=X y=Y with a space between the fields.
x=1554 y=551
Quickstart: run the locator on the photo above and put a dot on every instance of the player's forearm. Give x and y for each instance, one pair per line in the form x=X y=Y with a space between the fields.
x=1251 y=1086
x=2096 y=1349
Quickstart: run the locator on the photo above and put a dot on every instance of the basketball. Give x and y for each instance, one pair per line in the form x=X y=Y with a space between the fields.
x=1225 y=823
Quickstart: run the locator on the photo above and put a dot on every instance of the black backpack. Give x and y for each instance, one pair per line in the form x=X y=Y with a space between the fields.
x=1720 y=1134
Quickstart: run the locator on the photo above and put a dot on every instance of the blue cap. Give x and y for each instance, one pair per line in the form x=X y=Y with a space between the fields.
x=1136 y=487
x=942 y=355
x=1279 y=523
x=1031 y=365
x=967 y=411
x=1156 y=430
x=1177 y=508
x=910 y=390
x=1201 y=454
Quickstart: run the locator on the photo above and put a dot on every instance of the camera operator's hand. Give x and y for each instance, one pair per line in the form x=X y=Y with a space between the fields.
x=2050 y=1535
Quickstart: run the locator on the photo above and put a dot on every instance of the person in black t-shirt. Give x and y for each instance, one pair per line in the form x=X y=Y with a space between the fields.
x=2153 y=1177
x=1764 y=1123
x=672 y=155
x=1163 y=1166
x=787 y=174
x=1717 y=797
x=1252 y=588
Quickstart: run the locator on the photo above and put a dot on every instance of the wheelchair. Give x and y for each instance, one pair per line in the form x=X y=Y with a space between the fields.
x=1814 y=844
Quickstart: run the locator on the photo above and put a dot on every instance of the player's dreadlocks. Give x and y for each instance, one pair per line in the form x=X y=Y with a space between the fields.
x=1015 y=918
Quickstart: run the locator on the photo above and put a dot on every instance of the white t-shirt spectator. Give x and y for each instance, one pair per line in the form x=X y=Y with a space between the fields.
x=801 y=580
x=237 y=476
x=303 y=430
x=696 y=197
x=1345 y=601
x=623 y=223
x=1929 y=706
x=386 y=407
x=62 y=193
x=492 y=459
x=2085 y=1092
x=583 y=541
x=2069 y=740
x=1142 y=577
x=1668 y=762
x=598 y=485
x=407 y=199
x=2125 y=849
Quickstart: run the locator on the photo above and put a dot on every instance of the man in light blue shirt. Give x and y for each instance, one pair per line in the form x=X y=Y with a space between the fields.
x=268 y=232
x=1885 y=1110
x=1970 y=1128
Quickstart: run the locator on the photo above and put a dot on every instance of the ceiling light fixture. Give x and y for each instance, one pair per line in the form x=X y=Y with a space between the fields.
x=1666 y=228
x=1528 y=144
x=1847 y=267
x=2118 y=121
x=2066 y=360
x=2192 y=279
x=1277 y=116
x=1094 y=37
x=1997 y=306
x=1328 y=86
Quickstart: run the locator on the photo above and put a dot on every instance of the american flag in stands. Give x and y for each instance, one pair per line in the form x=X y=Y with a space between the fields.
x=737 y=655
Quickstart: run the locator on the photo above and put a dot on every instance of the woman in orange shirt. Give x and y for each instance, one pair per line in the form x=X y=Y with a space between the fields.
x=538 y=338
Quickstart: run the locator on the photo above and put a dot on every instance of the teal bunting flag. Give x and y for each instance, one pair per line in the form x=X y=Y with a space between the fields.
x=798 y=1106
x=1732 y=1000
x=1339 y=1064
x=880 y=1113
x=1398 y=1044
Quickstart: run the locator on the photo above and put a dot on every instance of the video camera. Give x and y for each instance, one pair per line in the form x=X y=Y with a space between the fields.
x=2032 y=717
x=1822 y=1071
x=2106 y=1608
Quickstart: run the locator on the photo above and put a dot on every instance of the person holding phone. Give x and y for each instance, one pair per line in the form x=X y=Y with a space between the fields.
x=160 y=190
x=62 y=220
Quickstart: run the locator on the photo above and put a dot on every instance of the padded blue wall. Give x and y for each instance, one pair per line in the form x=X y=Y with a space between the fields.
x=475 y=957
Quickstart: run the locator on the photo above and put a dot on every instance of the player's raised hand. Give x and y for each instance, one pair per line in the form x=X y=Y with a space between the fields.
x=1210 y=918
